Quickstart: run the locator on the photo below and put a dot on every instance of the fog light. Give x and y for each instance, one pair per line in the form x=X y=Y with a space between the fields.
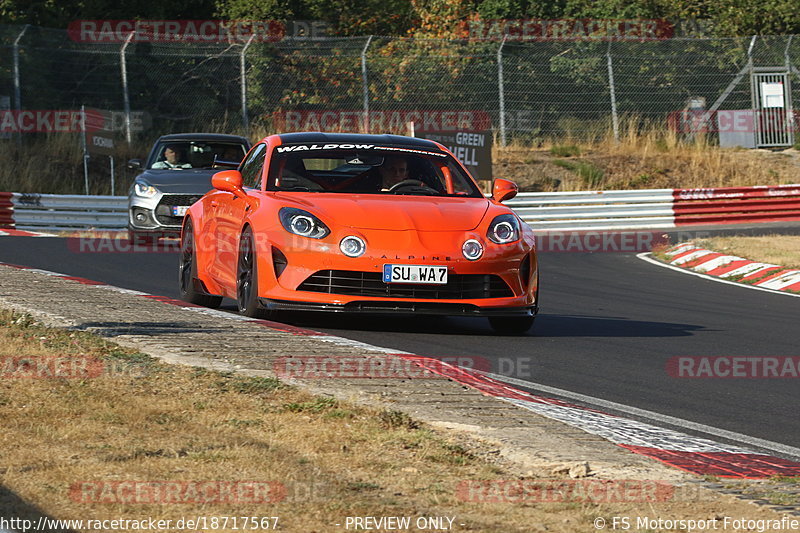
x=140 y=217
x=472 y=250
x=352 y=246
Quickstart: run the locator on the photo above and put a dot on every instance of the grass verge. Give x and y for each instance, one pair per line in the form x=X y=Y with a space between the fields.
x=781 y=250
x=74 y=445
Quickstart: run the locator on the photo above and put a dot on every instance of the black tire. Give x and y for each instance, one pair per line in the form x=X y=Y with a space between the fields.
x=511 y=325
x=247 y=277
x=187 y=272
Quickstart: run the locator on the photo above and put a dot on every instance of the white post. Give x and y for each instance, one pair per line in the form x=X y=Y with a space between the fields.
x=243 y=71
x=365 y=85
x=17 y=89
x=111 y=159
x=85 y=150
x=501 y=92
x=125 y=97
x=614 y=117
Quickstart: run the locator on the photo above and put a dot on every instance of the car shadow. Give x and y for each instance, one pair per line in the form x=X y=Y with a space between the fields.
x=547 y=325
x=13 y=506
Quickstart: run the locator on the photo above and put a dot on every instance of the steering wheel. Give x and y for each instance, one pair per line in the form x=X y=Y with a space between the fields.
x=416 y=184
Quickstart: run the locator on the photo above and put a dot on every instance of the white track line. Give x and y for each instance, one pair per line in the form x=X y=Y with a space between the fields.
x=646 y=256
x=643 y=413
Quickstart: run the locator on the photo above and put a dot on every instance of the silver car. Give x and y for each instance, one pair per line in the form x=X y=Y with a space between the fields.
x=176 y=174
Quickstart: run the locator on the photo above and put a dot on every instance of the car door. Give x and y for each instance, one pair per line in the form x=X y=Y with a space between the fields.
x=230 y=213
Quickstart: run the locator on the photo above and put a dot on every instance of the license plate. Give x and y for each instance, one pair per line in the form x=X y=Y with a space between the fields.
x=435 y=275
x=179 y=210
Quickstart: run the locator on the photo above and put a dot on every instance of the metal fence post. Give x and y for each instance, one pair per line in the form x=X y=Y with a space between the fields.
x=612 y=90
x=501 y=92
x=364 y=81
x=243 y=70
x=125 y=97
x=17 y=87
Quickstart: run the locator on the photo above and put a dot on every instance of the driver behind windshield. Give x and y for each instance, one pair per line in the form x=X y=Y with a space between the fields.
x=172 y=158
x=393 y=170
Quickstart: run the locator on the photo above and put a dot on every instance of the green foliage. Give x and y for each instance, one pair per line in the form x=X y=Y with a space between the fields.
x=54 y=14
x=565 y=150
x=433 y=18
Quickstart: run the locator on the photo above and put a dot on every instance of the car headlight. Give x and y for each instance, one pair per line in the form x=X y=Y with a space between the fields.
x=302 y=223
x=143 y=189
x=353 y=246
x=504 y=229
x=472 y=250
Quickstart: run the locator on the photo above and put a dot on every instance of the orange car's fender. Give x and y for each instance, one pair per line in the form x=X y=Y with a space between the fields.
x=205 y=247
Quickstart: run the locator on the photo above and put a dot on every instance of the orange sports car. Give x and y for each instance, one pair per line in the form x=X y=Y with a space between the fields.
x=359 y=223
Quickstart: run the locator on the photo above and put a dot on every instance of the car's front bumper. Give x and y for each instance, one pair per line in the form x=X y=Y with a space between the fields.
x=154 y=216
x=401 y=307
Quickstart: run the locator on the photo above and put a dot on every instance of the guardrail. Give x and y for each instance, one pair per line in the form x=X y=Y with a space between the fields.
x=554 y=211
x=56 y=212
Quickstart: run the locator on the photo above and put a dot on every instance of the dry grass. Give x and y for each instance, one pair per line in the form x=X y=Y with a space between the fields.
x=647 y=157
x=151 y=422
x=53 y=164
x=585 y=157
x=781 y=250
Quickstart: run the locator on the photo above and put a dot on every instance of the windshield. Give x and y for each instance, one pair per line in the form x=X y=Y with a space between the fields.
x=178 y=155
x=369 y=171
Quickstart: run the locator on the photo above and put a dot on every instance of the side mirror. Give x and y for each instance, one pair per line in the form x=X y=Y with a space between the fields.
x=135 y=164
x=231 y=181
x=504 y=190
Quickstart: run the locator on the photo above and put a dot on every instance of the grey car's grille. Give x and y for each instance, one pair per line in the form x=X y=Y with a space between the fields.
x=163 y=210
x=179 y=199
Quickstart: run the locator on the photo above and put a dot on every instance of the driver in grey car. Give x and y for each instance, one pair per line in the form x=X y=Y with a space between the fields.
x=173 y=158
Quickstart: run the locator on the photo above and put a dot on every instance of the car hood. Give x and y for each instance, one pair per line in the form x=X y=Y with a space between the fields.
x=180 y=181
x=421 y=213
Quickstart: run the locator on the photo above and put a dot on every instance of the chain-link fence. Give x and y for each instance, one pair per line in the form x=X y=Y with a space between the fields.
x=521 y=90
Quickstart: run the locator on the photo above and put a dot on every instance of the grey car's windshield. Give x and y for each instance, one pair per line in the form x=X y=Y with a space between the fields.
x=393 y=171
x=178 y=155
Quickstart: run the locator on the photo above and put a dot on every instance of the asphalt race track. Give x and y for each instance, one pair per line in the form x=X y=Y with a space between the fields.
x=609 y=324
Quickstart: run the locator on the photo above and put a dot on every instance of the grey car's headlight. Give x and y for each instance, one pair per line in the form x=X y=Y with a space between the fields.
x=504 y=229
x=143 y=189
x=303 y=223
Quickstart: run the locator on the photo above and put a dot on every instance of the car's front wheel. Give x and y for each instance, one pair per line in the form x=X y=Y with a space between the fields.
x=247 y=277
x=511 y=325
x=187 y=272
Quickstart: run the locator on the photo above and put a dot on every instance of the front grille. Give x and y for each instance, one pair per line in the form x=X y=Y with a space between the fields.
x=163 y=210
x=179 y=199
x=458 y=287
